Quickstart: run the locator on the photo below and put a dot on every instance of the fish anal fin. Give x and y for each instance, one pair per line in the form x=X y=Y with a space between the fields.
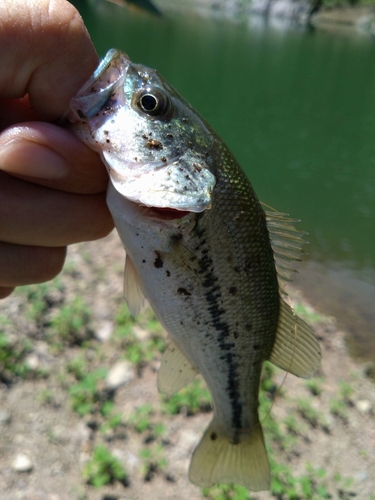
x=296 y=349
x=175 y=370
x=132 y=289
x=217 y=460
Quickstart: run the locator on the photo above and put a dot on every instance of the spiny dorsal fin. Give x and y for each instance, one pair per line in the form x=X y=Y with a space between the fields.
x=286 y=242
x=296 y=349
x=132 y=289
x=175 y=370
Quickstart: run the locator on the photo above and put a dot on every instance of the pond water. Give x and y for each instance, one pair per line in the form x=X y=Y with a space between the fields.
x=297 y=108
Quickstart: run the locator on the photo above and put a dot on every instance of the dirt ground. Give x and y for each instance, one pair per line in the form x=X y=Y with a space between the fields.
x=45 y=444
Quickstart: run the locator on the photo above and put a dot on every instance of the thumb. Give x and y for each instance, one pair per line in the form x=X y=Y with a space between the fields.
x=51 y=156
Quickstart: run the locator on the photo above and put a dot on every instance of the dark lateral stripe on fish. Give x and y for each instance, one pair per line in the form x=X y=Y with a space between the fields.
x=213 y=297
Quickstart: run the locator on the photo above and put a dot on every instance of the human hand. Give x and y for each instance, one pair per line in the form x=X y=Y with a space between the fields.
x=52 y=186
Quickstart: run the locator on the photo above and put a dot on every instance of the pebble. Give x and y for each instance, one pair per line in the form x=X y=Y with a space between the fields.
x=363 y=406
x=104 y=331
x=120 y=374
x=5 y=417
x=22 y=463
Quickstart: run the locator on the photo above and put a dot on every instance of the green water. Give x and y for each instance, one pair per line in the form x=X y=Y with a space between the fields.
x=297 y=108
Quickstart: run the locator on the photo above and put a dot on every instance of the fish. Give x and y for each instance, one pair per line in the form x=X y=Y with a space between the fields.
x=210 y=259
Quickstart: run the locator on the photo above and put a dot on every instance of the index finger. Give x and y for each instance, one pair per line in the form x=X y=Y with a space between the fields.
x=47 y=53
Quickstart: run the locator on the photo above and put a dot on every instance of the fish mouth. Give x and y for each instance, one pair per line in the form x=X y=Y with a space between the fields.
x=165 y=213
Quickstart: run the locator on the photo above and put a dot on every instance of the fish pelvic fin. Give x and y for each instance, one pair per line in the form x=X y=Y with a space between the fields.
x=296 y=349
x=175 y=370
x=132 y=288
x=217 y=460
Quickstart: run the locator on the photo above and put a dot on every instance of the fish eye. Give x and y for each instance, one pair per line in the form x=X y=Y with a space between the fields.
x=154 y=102
x=148 y=103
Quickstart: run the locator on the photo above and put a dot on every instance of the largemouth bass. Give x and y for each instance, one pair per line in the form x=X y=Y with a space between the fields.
x=202 y=250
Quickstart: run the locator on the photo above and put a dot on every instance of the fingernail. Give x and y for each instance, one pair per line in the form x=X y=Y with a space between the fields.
x=27 y=158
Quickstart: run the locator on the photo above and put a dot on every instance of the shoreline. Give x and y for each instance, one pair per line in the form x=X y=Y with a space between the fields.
x=357 y=19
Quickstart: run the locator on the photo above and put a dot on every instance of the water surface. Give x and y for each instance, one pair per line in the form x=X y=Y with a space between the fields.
x=297 y=108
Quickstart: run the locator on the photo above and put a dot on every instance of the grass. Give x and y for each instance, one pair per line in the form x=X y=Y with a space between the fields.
x=71 y=323
x=12 y=355
x=86 y=396
x=153 y=460
x=138 y=352
x=104 y=468
x=192 y=399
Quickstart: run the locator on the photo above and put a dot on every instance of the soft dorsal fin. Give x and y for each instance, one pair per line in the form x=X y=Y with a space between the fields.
x=175 y=370
x=132 y=289
x=296 y=349
x=286 y=242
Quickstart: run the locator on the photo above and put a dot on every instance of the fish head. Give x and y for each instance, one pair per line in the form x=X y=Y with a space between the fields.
x=154 y=145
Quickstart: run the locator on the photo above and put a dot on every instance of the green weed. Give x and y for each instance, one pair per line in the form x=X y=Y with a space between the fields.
x=307 y=313
x=138 y=352
x=193 y=398
x=71 y=322
x=41 y=298
x=111 y=419
x=104 y=468
x=339 y=405
x=226 y=492
x=78 y=367
x=309 y=413
x=141 y=421
x=153 y=460
x=12 y=355
x=86 y=394
x=315 y=386
x=141 y=418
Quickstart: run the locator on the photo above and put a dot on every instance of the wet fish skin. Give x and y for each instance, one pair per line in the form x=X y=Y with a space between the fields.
x=208 y=270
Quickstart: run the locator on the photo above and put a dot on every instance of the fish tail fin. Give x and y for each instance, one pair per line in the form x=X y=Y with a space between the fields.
x=217 y=460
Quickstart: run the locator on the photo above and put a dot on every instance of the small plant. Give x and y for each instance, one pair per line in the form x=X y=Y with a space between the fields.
x=315 y=386
x=293 y=425
x=307 y=313
x=138 y=352
x=345 y=390
x=104 y=468
x=71 y=323
x=338 y=407
x=40 y=299
x=193 y=399
x=140 y=419
x=153 y=460
x=309 y=413
x=111 y=419
x=12 y=354
x=78 y=367
x=226 y=492
x=85 y=394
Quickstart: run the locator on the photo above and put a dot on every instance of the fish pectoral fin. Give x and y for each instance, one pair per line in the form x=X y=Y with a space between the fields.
x=175 y=370
x=296 y=349
x=217 y=460
x=132 y=288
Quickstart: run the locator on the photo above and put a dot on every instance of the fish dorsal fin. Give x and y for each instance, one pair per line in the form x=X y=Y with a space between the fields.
x=296 y=349
x=286 y=242
x=132 y=289
x=175 y=370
